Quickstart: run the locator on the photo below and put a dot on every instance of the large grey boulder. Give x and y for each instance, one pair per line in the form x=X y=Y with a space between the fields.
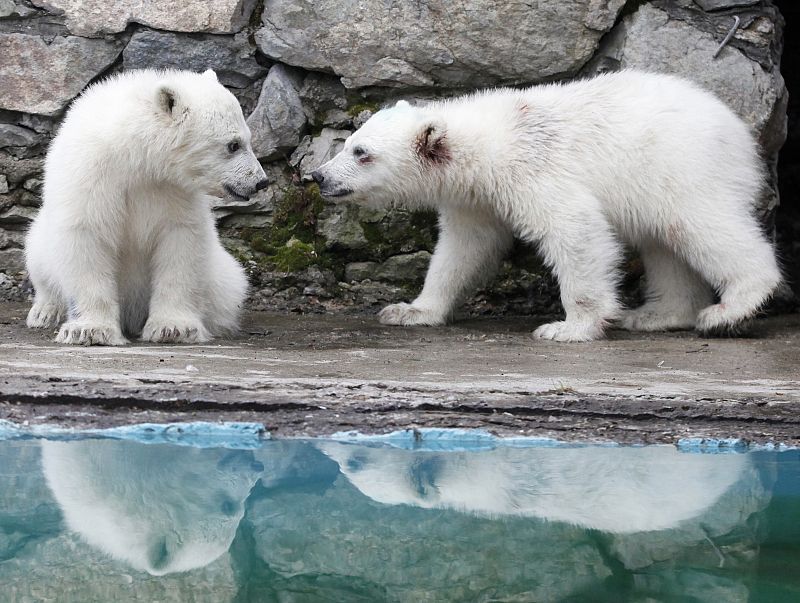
x=435 y=43
x=97 y=17
x=233 y=58
x=278 y=121
x=41 y=77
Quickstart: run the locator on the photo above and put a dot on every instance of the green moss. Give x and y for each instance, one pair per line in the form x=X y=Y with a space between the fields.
x=294 y=256
x=291 y=243
x=354 y=110
x=259 y=243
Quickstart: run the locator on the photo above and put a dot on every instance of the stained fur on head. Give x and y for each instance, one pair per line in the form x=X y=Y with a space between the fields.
x=431 y=145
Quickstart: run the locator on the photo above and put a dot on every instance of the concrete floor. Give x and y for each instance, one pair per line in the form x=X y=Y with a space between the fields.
x=315 y=375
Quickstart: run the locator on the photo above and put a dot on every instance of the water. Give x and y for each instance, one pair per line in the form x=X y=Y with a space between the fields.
x=106 y=519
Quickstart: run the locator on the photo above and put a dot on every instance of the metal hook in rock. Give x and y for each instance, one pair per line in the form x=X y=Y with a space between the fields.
x=728 y=37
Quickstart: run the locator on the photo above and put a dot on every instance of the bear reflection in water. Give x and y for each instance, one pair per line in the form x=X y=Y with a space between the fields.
x=618 y=490
x=160 y=508
x=163 y=509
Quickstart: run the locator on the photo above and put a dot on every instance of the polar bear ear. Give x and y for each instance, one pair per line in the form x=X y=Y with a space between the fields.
x=168 y=102
x=211 y=74
x=431 y=144
x=401 y=104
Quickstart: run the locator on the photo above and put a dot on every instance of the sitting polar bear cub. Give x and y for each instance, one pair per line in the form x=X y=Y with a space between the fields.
x=125 y=242
x=579 y=168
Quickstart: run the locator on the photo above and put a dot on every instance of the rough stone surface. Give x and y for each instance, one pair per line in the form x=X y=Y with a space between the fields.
x=232 y=58
x=41 y=77
x=322 y=93
x=711 y=5
x=3 y=184
x=10 y=9
x=12 y=260
x=17 y=215
x=316 y=375
x=341 y=227
x=97 y=17
x=278 y=119
x=359 y=271
x=409 y=267
x=436 y=42
x=17 y=136
x=313 y=152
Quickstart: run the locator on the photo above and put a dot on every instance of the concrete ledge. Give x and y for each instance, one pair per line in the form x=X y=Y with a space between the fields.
x=315 y=375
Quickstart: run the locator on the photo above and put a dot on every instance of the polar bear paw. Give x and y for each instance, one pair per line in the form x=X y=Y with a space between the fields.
x=656 y=318
x=44 y=315
x=175 y=331
x=569 y=330
x=409 y=314
x=720 y=320
x=81 y=332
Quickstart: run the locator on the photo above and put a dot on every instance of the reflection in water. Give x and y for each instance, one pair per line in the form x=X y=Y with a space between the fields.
x=618 y=490
x=162 y=509
x=99 y=520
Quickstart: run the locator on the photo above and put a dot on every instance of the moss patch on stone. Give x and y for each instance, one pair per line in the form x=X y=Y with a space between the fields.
x=354 y=110
x=291 y=243
x=294 y=256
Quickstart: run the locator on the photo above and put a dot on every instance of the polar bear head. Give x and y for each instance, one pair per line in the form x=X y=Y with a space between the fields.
x=208 y=141
x=395 y=155
x=161 y=509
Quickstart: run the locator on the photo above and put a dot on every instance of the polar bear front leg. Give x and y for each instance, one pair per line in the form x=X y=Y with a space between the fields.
x=585 y=255
x=86 y=266
x=179 y=285
x=471 y=245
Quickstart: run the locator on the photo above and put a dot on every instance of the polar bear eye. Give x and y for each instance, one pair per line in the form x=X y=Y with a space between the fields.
x=233 y=146
x=361 y=154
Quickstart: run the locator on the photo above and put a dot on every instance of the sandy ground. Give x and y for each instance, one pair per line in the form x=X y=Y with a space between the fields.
x=315 y=375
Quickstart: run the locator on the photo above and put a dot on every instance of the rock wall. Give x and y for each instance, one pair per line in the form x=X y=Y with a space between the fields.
x=307 y=73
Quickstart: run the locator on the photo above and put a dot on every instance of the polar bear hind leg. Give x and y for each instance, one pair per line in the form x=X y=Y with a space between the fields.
x=740 y=264
x=674 y=293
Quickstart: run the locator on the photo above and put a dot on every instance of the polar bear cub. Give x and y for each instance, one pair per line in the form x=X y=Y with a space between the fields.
x=125 y=243
x=578 y=169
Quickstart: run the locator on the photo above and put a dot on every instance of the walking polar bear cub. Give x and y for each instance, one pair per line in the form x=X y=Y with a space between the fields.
x=645 y=159
x=125 y=242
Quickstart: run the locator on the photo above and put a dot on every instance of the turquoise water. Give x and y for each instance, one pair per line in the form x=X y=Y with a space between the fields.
x=248 y=519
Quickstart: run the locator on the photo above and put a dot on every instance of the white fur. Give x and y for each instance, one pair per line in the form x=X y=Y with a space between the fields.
x=125 y=242
x=160 y=508
x=617 y=490
x=578 y=169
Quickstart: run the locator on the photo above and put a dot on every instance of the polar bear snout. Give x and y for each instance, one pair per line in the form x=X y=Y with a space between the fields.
x=328 y=186
x=245 y=191
x=245 y=181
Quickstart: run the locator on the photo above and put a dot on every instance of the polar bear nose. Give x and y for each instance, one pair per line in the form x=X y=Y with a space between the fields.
x=262 y=184
x=318 y=177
